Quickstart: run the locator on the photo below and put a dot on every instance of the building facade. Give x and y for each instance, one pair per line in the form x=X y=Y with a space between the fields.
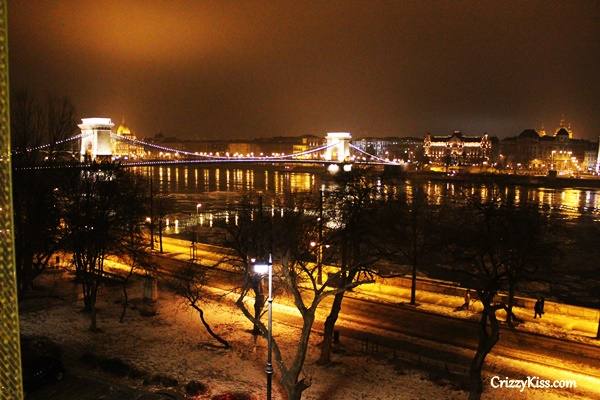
x=539 y=152
x=458 y=149
x=124 y=146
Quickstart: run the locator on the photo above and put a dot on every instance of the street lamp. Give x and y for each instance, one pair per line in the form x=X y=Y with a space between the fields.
x=320 y=248
x=263 y=269
x=198 y=206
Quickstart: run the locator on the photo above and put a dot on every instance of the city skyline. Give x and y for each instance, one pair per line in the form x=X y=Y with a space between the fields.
x=214 y=70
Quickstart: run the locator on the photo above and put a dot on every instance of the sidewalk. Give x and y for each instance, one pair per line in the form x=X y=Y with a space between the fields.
x=554 y=324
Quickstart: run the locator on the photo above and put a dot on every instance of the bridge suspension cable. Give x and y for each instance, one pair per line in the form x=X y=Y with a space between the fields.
x=194 y=154
x=374 y=156
x=43 y=146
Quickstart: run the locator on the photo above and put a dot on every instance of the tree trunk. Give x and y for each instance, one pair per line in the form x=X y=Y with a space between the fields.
x=598 y=332
x=259 y=303
x=325 y=357
x=294 y=387
x=93 y=323
x=160 y=232
x=511 y=299
x=476 y=385
x=294 y=392
x=92 y=303
x=413 y=285
x=125 y=303
x=86 y=289
x=224 y=342
x=487 y=340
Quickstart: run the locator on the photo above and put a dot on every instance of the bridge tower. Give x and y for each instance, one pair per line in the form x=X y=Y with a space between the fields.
x=339 y=143
x=96 y=142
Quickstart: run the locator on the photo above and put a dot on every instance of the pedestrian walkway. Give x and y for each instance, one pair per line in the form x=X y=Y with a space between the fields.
x=438 y=300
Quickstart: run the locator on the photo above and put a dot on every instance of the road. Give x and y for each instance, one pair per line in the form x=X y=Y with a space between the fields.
x=431 y=339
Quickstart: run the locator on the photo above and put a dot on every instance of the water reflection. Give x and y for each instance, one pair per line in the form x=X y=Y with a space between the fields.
x=224 y=186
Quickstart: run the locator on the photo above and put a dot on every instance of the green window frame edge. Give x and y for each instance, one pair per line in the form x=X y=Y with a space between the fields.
x=11 y=387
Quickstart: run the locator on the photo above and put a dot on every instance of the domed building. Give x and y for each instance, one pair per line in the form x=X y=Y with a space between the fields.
x=125 y=146
x=123 y=129
x=564 y=130
x=539 y=153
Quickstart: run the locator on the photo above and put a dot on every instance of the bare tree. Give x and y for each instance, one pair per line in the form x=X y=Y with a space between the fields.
x=292 y=250
x=37 y=235
x=407 y=230
x=27 y=125
x=35 y=123
x=248 y=235
x=351 y=211
x=163 y=205
x=95 y=222
x=526 y=251
x=484 y=259
x=133 y=249
x=189 y=285
x=60 y=121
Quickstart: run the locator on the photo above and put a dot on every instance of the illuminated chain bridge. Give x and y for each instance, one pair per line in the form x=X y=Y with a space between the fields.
x=98 y=142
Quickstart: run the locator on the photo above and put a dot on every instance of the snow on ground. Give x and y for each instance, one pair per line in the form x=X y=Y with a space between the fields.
x=174 y=343
x=553 y=324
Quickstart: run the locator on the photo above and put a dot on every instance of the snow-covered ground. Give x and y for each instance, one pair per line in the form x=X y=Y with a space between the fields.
x=174 y=343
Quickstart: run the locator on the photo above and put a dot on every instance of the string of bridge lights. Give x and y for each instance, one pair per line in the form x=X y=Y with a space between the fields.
x=203 y=156
x=220 y=158
x=43 y=146
x=230 y=158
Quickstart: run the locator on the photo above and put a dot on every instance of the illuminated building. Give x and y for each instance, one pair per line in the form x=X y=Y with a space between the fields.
x=376 y=146
x=590 y=161
x=123 y=145
x=542 y=153
x=564 y=127
x=393 y=148
x=244 y=148
x=96 y=144
x=307 y=143
x=598 y=158
x=458 y=149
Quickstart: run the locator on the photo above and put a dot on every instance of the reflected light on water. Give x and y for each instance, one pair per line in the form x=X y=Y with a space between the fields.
x=569 y=202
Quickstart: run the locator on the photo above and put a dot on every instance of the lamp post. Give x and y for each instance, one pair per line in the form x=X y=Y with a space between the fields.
x=263 y=269
x=198 y=206
x=320 y=249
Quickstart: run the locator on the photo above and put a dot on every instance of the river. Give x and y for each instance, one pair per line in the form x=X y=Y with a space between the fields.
x=219 y=188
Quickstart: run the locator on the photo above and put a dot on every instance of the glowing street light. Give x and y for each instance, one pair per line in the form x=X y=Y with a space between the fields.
x=264 y=269
x=198 y=206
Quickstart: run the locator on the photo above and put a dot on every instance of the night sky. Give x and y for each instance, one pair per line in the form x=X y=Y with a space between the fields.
x=212 y=69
